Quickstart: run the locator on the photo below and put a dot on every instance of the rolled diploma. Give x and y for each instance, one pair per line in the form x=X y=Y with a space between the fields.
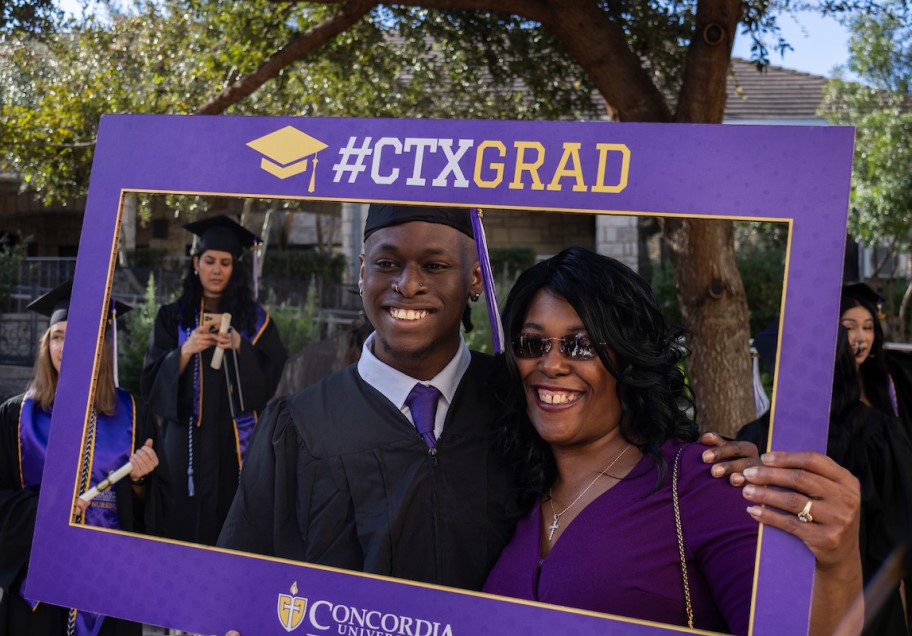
x=219 y=353
x=112 y=479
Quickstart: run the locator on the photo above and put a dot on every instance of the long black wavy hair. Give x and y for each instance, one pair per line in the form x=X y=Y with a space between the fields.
x=846 y=396
x=874 y=375
x=617 y=307
x=237 y=299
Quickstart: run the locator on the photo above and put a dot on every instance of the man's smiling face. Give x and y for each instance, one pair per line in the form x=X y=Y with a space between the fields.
x=416 y=278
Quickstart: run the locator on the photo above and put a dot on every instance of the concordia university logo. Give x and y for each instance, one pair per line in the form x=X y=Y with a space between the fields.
x=291 y=608
x=286 y=153
x=351 y=620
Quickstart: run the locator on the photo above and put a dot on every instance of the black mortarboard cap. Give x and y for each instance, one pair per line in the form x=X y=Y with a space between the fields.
x=381 y=215
x=56 y=303
x=863 y=291
x=223 y=234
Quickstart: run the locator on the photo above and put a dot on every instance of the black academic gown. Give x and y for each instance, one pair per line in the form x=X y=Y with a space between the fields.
x=18 y=508
x=337 y=475
x=899 y=365
x=875 y=448
x=173 y=513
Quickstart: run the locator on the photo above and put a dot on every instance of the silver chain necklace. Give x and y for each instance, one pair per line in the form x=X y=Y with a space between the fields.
x=555 y=523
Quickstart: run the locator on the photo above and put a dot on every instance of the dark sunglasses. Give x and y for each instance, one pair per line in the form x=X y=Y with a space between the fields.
x=575 y=347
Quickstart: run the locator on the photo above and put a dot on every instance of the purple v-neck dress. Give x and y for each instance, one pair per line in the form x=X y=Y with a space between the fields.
x=620 y=554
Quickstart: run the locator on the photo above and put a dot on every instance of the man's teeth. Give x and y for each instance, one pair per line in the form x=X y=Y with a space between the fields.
x=555 y=397
x=408 y=314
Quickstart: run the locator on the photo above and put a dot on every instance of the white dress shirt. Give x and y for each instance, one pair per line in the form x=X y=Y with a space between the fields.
x=396 y=386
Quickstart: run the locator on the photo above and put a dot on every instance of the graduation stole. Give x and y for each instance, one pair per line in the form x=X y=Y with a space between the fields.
x=110 y=446
x=244 y=421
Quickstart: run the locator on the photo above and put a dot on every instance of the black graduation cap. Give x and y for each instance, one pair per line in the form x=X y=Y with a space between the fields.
x=56 y=304
x=223 y=234
x=865 y=294
x=381 y=215
x=863 y=291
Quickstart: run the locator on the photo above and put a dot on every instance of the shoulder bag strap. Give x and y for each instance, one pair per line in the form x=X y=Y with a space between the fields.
x=677 y=510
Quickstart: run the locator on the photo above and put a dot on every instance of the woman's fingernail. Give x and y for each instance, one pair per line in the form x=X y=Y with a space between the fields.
x=755 y=511
x=708 y=456
x=750 y=490
x=737 y=479
x=751 y=472
x=717 y=470
x=768 y=458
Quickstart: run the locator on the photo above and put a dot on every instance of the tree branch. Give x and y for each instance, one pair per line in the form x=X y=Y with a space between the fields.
x=311 y=39
x=601 y=49
x=703 y=91
x=536 y=10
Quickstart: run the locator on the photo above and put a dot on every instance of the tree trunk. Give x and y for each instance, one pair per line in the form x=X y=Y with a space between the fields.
x=714 y=310
x=710 y=292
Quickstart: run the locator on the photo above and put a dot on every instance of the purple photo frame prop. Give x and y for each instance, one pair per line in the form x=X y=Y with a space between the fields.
x=799 y=175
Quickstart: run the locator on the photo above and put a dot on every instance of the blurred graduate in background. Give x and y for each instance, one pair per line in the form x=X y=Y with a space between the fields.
x=867 y=436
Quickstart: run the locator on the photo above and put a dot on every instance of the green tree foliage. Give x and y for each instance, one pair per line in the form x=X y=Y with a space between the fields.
x=880 y=108
x=297 y=326
x=28 y=16
x=12 y=257
x=133 y=337
x=169 y=57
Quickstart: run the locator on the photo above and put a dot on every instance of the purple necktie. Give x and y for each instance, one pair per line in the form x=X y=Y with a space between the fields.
x=423 y=403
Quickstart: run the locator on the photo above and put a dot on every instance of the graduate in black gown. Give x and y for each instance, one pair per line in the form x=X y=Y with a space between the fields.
x=867 y=437
x=204 y=428
x=121 y=431
x=338 y=474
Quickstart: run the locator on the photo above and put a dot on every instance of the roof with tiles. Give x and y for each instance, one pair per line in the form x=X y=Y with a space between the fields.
x=774 y=94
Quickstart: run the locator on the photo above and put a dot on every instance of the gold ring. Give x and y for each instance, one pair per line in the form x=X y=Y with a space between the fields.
x=805 y=515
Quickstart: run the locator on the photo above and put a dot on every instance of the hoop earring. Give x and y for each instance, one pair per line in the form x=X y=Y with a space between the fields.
x=361 y=292
x=196 y=272
x=475 y=297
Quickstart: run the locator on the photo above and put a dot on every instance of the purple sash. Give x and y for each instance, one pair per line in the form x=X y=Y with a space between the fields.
x=892 y=390
x=34 y=426
x=111 y=448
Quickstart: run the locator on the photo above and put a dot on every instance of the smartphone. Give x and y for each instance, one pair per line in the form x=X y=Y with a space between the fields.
x=213 y=321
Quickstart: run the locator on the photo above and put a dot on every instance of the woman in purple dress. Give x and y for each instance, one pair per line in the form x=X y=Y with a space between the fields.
x=602 y=435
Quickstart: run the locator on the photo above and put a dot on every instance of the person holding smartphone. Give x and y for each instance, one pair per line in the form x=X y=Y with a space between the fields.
x=208 y=384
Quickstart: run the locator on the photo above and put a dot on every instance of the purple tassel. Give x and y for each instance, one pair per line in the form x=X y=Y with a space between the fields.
x=487 y=277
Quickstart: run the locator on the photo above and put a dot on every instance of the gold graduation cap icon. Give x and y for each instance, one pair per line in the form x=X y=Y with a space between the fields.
x=286 y=153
